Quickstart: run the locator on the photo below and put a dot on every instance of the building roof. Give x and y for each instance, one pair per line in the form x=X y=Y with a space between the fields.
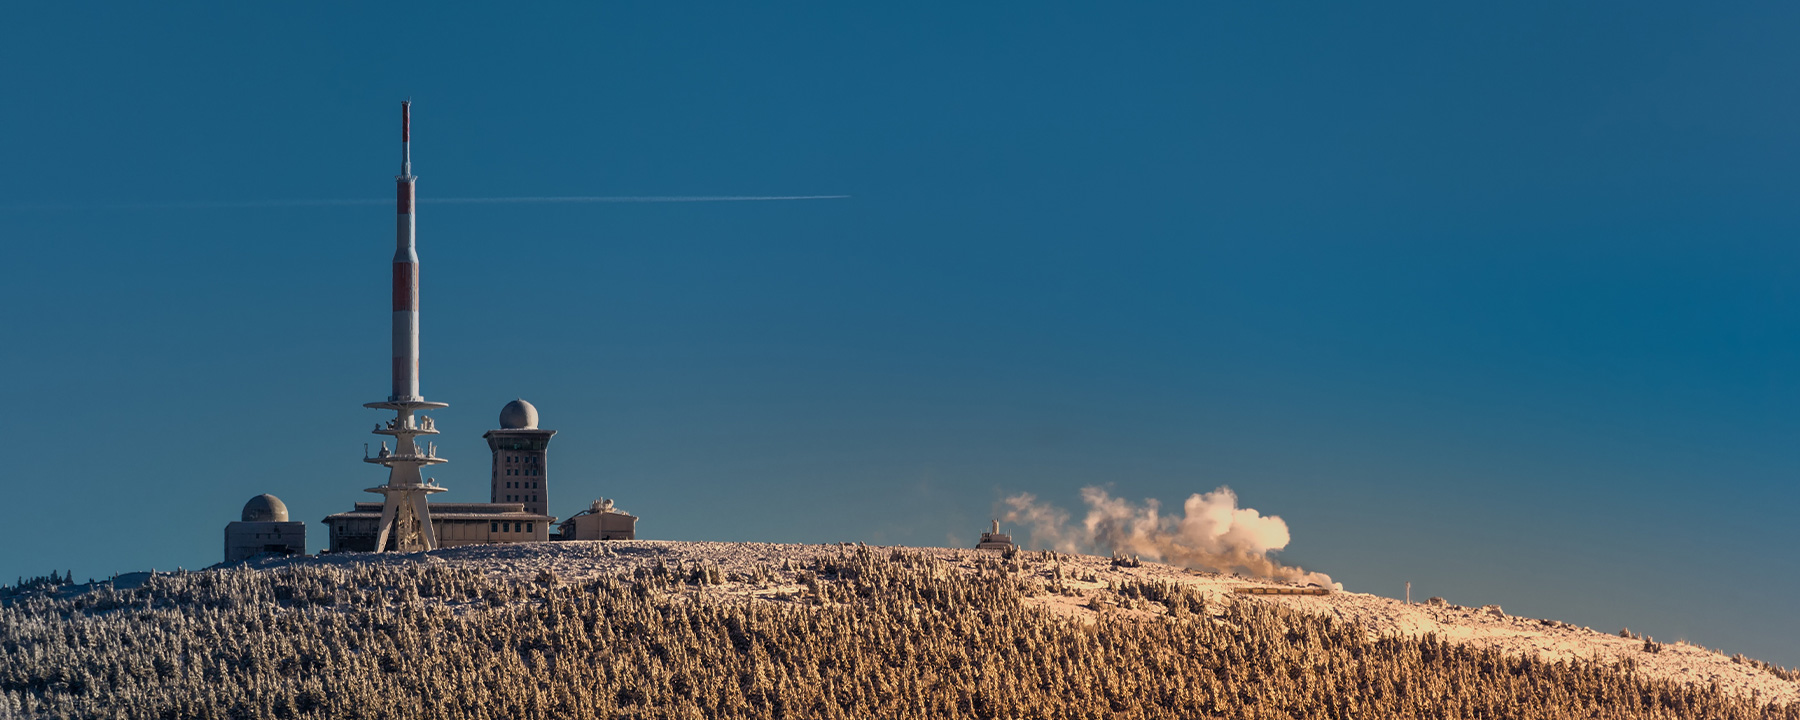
x=518 y=415
x=482 y=512
x=603 y=506
x=265 y=508
x=468 y=517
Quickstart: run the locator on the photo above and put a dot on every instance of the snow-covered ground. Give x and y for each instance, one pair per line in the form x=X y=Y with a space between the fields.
x=768 y=572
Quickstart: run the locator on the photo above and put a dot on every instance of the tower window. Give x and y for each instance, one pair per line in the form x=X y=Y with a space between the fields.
x=493 y=527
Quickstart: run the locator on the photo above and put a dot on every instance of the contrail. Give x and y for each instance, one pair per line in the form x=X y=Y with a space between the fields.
x=211 y=205
x=633 y=199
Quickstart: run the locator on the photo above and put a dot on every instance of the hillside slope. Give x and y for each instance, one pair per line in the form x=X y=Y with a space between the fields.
x=673 y=629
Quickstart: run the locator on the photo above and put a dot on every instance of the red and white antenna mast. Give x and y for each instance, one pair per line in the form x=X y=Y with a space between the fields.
x=405 y=516
x=406 y=272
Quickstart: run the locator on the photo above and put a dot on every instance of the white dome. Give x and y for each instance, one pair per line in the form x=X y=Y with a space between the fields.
x=518 y=415
x=265 y=508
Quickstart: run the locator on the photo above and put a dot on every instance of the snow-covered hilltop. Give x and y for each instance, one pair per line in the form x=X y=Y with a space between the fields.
x=646 y=628
x=1084 y=596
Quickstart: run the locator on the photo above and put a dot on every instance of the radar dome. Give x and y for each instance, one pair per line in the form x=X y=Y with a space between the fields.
x=265 y=508
x=518 y=415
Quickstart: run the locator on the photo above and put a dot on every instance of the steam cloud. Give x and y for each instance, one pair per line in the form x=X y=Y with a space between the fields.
x=206 y=205
x=1212 y=532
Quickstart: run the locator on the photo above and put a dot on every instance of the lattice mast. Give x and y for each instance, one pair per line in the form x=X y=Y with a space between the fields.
x=405 y=516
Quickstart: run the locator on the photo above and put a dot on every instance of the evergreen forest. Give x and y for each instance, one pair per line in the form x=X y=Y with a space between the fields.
x=869 y=634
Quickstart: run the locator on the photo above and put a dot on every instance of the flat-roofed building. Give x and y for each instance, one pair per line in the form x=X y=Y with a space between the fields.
x=601 y=521
x=455 y=524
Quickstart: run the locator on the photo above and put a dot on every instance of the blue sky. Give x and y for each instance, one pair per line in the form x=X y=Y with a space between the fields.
x=1494 y=299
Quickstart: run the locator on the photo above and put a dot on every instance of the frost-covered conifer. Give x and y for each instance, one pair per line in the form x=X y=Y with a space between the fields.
x=896 y=635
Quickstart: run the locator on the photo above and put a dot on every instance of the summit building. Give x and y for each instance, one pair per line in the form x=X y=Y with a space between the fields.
x=405 y=520
x=520 y=483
